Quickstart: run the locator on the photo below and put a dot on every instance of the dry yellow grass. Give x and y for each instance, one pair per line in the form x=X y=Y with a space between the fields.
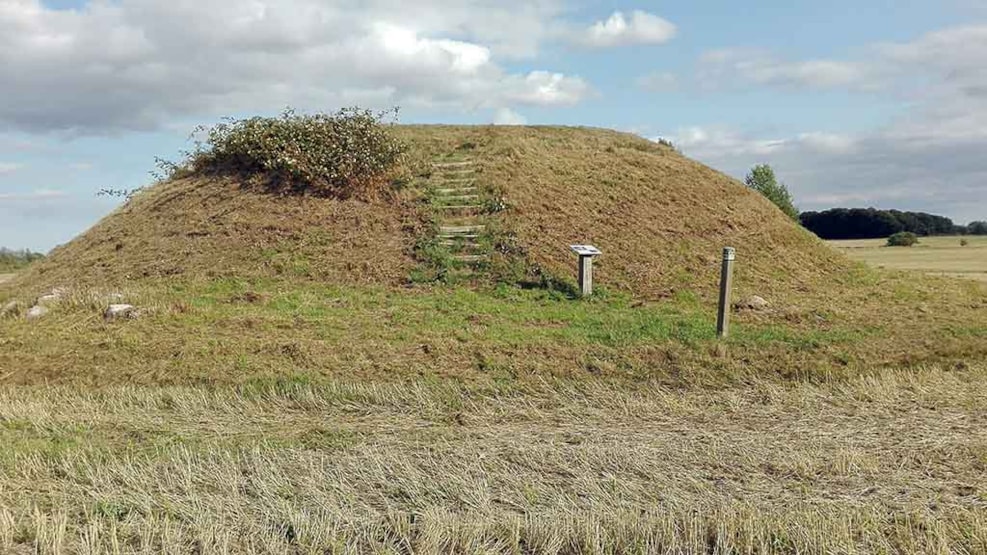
x=6 y=277
x=894 y=463
x=943 y=256
x=660 y=218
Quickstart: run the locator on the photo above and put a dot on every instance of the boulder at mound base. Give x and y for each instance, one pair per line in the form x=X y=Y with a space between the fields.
x=10 y=309
x=754 y=303
x=36 y=312
x=120 y=311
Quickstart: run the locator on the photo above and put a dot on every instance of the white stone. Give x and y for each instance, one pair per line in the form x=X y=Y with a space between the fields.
x=36 y=312
x=51 y=297
x=9 y=309
x=754 y=303
x=757 y=303
x=117 y=311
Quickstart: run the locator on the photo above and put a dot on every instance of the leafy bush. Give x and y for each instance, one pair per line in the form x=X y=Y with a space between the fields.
x=348 y=153
x=902 y=239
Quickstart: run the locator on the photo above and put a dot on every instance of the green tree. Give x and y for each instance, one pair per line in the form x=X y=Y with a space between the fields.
x=762 y=179
x=977 y=228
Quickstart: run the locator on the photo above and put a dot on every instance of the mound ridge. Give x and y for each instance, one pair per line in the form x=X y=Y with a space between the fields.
x=660 y=218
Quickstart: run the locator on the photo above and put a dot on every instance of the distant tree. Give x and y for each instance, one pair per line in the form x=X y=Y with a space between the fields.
x=977 y=228
x=762 y=179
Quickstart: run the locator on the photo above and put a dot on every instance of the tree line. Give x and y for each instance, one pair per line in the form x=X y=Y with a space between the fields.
x=871 y=223
x=16 y=259
x=855 y=223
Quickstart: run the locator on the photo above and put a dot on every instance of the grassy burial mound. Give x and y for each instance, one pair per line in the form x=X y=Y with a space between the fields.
x=339 y=246
x=660 y=218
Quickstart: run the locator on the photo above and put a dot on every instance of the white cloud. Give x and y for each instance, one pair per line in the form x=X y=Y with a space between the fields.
x=546 y=89
x=881 y=168
x=721 y=67
x=506 y=116
x=134 y=64
x=618 y=30
x=929 y=158
x=9 y=167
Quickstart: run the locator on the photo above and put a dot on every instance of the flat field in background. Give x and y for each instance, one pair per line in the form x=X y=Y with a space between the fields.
x=933 y=255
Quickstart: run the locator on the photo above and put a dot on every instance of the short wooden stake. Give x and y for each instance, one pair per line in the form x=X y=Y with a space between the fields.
x=585 y=275
x=586 y=254
x=726 y=284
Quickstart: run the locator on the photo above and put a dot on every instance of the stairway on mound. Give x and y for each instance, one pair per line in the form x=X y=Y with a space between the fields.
x=456 y=199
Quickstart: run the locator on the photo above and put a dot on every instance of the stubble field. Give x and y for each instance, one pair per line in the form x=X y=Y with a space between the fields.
x=933 y=255
x=892 y=463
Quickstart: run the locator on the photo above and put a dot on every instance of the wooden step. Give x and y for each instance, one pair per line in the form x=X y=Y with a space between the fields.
x=459 y=207
x=452 y=219
x=459 y=164
x=467 y=181
x=453 y=190
x=461 y=198
x=458 y=229
x=459 y=241
x=469 y=257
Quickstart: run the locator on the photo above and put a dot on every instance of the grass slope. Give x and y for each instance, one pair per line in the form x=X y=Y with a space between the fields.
x=202 y=228
x=660 y=218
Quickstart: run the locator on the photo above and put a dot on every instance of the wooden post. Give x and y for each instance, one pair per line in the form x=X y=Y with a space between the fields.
x=726 y=284
x=586 y=254
x=585 y=275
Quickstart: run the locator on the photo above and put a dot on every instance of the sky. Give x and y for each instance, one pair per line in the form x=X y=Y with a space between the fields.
x=854 y=103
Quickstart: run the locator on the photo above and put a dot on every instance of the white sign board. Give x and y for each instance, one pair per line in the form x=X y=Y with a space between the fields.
x=585 y=250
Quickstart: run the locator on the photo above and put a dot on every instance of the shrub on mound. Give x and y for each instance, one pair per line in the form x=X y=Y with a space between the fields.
x=902 y=239
x=345 y=154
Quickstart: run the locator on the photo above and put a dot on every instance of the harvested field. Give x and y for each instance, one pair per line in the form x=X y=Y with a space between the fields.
x=891 y=463
x=940 y=256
